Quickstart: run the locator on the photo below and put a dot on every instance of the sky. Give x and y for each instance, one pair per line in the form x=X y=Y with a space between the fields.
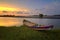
x=50 y=7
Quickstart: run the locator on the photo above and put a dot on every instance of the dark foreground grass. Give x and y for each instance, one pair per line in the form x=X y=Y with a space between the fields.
x=24 y=33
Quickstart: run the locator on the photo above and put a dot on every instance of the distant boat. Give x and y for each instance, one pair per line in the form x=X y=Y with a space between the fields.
x=36 y=26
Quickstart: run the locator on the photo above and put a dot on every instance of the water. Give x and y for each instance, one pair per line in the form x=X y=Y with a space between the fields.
x=10 y=21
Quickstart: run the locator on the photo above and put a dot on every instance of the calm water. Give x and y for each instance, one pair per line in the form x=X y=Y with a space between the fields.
x=9 y=21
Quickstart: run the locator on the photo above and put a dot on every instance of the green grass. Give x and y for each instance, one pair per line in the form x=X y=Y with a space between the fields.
x=24 y=33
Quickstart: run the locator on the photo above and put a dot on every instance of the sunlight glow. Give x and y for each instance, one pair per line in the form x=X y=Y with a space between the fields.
x=13 y=9
x=7 y=9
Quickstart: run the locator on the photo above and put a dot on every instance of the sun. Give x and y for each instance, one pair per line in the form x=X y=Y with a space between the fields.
x=8 y=9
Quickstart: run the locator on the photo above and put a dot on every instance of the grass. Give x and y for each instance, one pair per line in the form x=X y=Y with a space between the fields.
x=24 y=33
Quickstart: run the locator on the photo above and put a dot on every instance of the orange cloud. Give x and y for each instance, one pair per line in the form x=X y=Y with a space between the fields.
x=10 y=7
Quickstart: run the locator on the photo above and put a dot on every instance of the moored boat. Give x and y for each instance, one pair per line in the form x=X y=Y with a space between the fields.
x=36 y=26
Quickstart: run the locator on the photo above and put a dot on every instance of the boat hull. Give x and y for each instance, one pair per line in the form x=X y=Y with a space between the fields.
x=43 y=28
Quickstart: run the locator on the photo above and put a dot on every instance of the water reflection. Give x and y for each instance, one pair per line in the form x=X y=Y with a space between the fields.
x=7 y=21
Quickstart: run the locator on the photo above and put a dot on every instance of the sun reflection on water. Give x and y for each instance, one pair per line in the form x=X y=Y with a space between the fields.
x=10 y=22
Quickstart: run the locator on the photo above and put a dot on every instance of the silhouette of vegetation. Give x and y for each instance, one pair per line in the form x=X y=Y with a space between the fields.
x=41 y=15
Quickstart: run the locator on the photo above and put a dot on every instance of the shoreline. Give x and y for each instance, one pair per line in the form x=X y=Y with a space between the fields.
x=32 y=17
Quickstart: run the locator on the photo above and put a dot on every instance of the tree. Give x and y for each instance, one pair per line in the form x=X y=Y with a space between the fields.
x=41 y=15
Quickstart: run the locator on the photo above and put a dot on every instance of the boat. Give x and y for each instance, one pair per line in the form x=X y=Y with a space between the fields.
x=29 y=23
x=36 y=26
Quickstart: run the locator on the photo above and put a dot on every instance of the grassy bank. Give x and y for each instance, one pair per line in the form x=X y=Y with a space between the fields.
x=24 y=33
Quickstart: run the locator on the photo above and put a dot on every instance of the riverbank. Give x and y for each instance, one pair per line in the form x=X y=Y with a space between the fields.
x=24 y=33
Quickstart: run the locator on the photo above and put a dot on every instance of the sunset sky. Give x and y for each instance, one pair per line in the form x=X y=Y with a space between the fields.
x=34 y=6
